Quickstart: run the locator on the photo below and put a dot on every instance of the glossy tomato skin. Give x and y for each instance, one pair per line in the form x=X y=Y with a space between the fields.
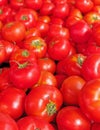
x=89 y=100
x=46 y=78
x=13 y=100
x=7 y=121
x=12 y=30
x=4 y=78
x=27 y=16
x=73 y=64
x=33 y=122
x=51 y=99
x=33 y=4
x=15 y=4
x=47 y=64
x=80 y=32
x=58 y=48
x=70 y=89
x=68 y=116
x=84 y=5
x=2 y=53
x=37 y=45
x=90 y=67
x=24 y=75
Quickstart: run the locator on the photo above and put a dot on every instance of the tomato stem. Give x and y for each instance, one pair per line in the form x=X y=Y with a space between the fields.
x=51 y=108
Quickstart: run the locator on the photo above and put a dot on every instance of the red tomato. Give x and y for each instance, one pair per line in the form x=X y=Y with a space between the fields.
x=43 y=28
x=91 y=67
x=33 y=4
x=43 y=101
x=47 y=64
x=84 y=5
x=9 y=48
x=27 y=16
x=13 y=31
x=70 y=89
x=32 y=32
x=73 y=64
x=24 y=75
x=2 y=53
x=47 y=8
x=36 y=44
x=61 y=10
x=7 y=122
x=3 y=2
x=46 y=78
x=92 y=17
x=71 y=118
x=80 y=32
x=96 y=33
x=89 y=100
x=33 y=122
x=4 y=78
x=58 y=48
x=12 y=102
x=21 y=56
x=16 y=4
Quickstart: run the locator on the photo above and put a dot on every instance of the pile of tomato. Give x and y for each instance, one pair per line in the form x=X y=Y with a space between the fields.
x=50 y=64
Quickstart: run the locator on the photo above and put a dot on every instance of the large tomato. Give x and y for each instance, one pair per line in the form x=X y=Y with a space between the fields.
x=47 y=64
x=89 y=100
x=43 y=101
x=71 y=118
x=27 y=16
x=13 y=31
x=36 y=44
x=80 y=32
x=70 y=89
x=24 y=75
x=12 y=102
x=91 y=67
x=58 y=48
x=34 y=123
x=7 y=121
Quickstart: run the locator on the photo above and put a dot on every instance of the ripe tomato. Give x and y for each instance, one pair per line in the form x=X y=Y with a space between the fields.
x=27 y=16
x=84 y=5
x=73 y=64
x=7 y=121
x=89 y=100
x=15 y=4
x=13 y=31
x=36 y=44
x=21 y=56
x=33 y=4
x=43 y=101
x=71 y=118
x=80 y=32
x=46 y=78
x=70 y=89
x=12 y=102
x=61 y=10
x=2 y=53
x=58 y=48
x=47 y=64
x=91 y=67
x=95 y=126
x=24 y=75
x=33 y=122
x=4 y=78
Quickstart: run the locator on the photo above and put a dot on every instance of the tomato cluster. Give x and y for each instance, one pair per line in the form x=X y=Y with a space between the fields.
x=50 y=64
